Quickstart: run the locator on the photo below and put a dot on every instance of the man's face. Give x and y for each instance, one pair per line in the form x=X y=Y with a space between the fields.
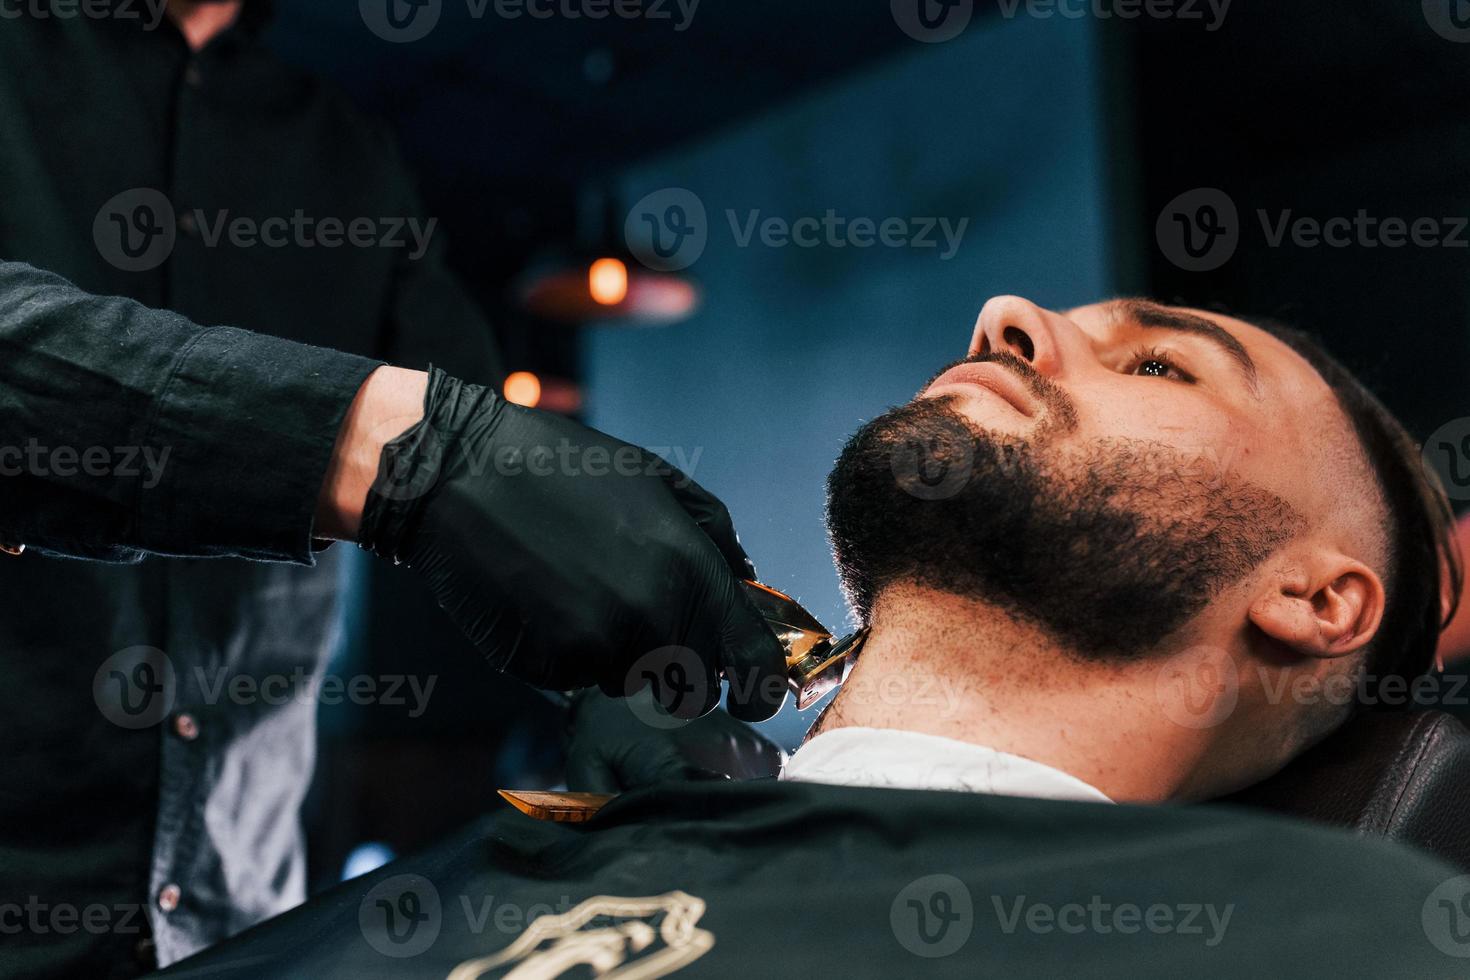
x=1103 y=472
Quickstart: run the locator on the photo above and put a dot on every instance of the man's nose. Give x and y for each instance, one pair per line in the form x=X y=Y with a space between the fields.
x=1012 y=325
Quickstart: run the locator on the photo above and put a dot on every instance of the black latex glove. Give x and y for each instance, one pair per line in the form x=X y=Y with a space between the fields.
x=570 y=558
x=614 y=746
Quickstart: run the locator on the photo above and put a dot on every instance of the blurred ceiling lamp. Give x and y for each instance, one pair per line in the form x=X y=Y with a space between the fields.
x=608 y=281
x=600 y=280
x=550 y=394
x=523 y=388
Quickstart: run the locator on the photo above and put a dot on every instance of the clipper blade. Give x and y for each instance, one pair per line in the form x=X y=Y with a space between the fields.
x=816 y=663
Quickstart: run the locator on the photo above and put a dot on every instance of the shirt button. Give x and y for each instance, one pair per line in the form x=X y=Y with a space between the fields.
x=168 y=897
x=193 y=77
x=186 y=728
x=187 y=224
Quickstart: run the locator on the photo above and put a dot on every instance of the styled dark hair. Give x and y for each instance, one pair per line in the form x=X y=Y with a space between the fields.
x=1423 y=561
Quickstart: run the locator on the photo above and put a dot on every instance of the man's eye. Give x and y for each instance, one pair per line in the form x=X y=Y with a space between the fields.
x=1156 y=364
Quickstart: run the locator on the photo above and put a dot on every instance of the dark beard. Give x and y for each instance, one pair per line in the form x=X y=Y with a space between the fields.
x=1109 y=548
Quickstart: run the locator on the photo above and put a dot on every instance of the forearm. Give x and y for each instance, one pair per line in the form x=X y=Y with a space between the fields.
x=388 y=404
x=204 y=441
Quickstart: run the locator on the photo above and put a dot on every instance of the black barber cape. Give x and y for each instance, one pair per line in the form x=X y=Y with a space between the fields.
x=768 y=879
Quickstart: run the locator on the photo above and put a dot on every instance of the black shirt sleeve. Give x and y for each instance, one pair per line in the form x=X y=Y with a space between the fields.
x=126 y=430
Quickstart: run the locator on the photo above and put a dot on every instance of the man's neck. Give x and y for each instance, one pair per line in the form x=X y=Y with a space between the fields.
x=201 y=21
x=941 y=665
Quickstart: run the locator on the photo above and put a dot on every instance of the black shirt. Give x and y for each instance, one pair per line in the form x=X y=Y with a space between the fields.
x=122 y=425
x=799 y=880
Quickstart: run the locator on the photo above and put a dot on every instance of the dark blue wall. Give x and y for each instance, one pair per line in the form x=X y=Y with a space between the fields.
x=795 y=347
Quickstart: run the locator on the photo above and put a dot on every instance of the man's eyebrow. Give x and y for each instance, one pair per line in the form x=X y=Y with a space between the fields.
x=1152 y=316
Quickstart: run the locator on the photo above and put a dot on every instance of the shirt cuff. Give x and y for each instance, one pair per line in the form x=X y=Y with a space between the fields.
x=249 y=423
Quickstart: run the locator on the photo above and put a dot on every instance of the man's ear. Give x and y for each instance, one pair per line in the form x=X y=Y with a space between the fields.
x=1330 y=607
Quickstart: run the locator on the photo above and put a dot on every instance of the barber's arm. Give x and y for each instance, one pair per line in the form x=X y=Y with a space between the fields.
x=125 y=429
x=562 y=572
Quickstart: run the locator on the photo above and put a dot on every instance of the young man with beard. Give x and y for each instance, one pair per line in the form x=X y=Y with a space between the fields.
x=1099 y=503
x=1092 y=506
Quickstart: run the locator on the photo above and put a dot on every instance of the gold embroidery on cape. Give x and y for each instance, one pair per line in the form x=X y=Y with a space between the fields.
x=554 y=944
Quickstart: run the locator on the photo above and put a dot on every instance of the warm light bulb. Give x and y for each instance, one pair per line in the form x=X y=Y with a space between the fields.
x=608 y=281
x=523 y=388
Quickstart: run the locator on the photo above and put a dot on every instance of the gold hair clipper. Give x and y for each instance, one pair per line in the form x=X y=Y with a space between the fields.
x=816 y=663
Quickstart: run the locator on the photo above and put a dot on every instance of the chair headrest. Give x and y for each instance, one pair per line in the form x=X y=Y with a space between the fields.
x=1400 y=775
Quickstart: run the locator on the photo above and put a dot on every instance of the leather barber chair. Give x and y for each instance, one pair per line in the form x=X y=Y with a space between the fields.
x=1400 y=775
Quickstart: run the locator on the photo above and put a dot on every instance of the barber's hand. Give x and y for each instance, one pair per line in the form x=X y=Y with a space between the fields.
x=617 y=746
x=571 y=558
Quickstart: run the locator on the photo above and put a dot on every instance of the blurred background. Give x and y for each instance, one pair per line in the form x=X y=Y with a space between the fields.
x=614 y=190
